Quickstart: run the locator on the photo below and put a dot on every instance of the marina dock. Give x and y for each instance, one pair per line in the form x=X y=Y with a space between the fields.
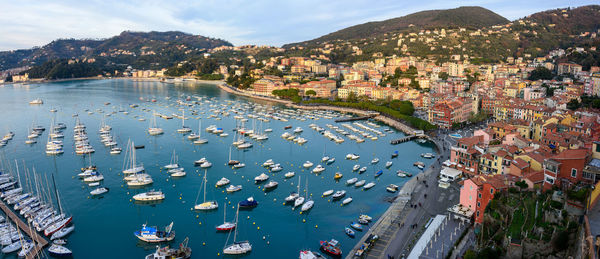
x=35 y=236
x=402 y=140
x=356 y=118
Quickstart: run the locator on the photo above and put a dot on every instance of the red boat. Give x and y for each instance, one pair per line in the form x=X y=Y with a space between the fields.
x=226 y=226
x=331 y=247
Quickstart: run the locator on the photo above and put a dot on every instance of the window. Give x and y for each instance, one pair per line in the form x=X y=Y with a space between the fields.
x=477 y=213
x=478 y=204
x=470 y=197
x=573 y=172
x=479 y=195
x=491 y=190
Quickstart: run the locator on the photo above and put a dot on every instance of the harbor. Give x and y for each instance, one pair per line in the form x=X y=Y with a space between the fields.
x=235 y=129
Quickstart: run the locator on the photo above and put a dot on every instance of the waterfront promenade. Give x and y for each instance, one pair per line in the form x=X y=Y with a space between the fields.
x=39 y=240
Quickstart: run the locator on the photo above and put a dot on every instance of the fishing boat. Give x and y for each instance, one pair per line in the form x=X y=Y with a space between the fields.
x=327 y=193
x=351 y=181
x=233 y=188
x=261 y=178
x=59 y=251
x=289 y=174
x=369 y=186
x=331 y=247
x=339 y=194
x=248 y=203
x=62 y=233
x=349 y=232
x=150 y=196
x=347 y=200
x=392 y=188
x=226 y=226
x=224 y=181
x=153 y=235
x=183 y=252
x=237 y=247
x=205 y=205
x=99 y=191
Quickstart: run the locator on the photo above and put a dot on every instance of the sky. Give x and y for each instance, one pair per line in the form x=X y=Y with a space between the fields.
x=25 y=24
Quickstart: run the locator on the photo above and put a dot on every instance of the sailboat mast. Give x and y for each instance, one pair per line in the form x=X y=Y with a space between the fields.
x=57 y=197
x=204 y=185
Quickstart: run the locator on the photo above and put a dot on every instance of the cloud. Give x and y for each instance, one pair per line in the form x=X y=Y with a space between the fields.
x=28 y=23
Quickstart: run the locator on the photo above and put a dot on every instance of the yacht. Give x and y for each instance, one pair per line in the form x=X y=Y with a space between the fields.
x=261 y=178
x=233 y=188
x=149 y=196
x=205 y=205
x=355 y=167
x=289 y=174
x=224 y=181
x=99 y=191
x=339 y=194
x=36 y=101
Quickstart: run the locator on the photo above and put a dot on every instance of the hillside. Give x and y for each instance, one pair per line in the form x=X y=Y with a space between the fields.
x=142 y=49
x=470 y=16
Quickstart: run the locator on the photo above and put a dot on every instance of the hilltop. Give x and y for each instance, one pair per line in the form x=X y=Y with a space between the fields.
x=467 y=16
x=142 y=49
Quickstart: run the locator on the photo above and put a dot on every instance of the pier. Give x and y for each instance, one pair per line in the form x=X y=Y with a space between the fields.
x=39 y=240
x=356 y=118
x=402 y=140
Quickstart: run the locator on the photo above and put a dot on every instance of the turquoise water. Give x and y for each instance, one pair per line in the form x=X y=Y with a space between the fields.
x=104 y=226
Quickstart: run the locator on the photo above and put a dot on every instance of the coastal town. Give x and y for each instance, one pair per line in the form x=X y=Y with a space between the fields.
x=518 y=138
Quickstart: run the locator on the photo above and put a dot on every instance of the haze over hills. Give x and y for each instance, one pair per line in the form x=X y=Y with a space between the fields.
x=467 y=16
x=141 y=48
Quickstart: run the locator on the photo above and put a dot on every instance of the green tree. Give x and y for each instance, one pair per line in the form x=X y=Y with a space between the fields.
x=444 y=75
x=311 y=92
x=573 y=104
x=540 y=73
x=352 y=97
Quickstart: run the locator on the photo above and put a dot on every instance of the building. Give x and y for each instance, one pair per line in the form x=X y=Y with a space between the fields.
x=568 y=68
x=323 y=88
x=477 y=192
x=446 y=112
x=566 y=168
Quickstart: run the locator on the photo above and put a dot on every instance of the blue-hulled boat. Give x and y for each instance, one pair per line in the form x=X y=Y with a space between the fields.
x=349 y=232
x=356 y=226
x=379 y=173
x=153 y=235
x=248 y=203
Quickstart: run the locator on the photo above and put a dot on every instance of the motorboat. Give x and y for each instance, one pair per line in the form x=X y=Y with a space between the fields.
x=375 y=160
x=224 y=181
x=153 y=235
x=392 y=188
x=307 y=164
x=359 y=183
x=355 y=167
x=261 y=178
x=369 y=186
x=352 y=156
x=339 y=194
x=183 y=252
x=268 y=163
x=378 y=173
x=276 y=168
x=206 y=164
x=289 y=174
x=150 y=196
x=99 y=191
x=356 y=226
x=337 y=176
x=362 y=170
x=307 y=254
x=327 y=193
x=347 y=200
x=239 y=165
x=271 y=185
x=307 y=205
x=248 y=203
x=349 y=232
x=331 y=160
x=331 y=247
x=388 y=164
x=233 y=188
x=351 y=181
x=318 y=169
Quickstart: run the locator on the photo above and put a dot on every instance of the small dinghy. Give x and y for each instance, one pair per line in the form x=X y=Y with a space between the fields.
x=327 y=193
x=347 y=200
x=349 y=232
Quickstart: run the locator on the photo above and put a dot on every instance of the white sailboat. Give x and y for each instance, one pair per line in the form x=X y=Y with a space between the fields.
x=237 y=248
x=129 y=164
x=183 y=129
x=205 y=205
x=154 y=129
x=173 y=164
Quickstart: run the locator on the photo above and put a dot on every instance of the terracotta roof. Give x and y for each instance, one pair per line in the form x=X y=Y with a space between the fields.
x=572 y=154
x=520 y=163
